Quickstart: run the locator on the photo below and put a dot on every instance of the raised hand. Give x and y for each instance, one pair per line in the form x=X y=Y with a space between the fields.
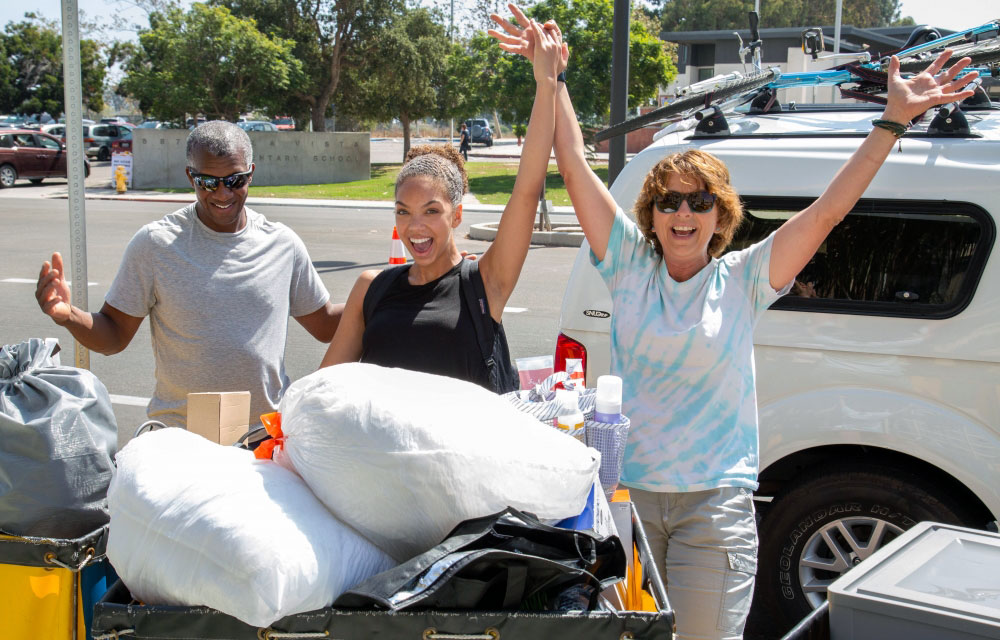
x=910 y=97
x=546 y=53
x=514 y=39
x=52 y=291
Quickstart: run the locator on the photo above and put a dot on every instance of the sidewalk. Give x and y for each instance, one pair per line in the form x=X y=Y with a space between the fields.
x=94 y=193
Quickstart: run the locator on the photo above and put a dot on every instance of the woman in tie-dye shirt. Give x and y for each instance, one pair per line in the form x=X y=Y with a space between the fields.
x=682 y=336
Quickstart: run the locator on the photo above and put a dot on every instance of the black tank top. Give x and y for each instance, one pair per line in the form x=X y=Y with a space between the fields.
x=425 y=328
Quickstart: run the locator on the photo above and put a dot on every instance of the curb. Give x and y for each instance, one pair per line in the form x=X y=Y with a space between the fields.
x=555 y=238
x=288 y=202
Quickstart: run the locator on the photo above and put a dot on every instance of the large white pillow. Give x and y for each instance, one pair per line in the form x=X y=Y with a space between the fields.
x=403 y=456
x=195 y=523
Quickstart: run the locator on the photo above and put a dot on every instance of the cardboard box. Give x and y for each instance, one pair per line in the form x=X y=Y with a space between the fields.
x=221 y=417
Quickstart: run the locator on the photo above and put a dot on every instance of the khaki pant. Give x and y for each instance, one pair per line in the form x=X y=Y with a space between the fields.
x=706 y=544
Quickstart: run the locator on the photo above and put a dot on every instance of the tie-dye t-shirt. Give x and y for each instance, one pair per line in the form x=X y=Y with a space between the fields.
x=684 y=351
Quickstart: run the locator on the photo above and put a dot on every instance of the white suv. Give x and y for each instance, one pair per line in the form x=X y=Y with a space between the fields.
x=878 y=377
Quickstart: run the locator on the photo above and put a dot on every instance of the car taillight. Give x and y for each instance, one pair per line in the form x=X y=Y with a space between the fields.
x=88 y=141
x=567 y=347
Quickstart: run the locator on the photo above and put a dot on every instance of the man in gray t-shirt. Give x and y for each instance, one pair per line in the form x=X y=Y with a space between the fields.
x=218 y=282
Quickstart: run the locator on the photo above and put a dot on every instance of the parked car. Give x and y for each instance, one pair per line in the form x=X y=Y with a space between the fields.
x=57 y=130
x=284 y=123
x=32 y=155
x=878 y=376
x=124 y=143
x=479 y=131
x=115 y=120
x=100 y=137
x=257 y=125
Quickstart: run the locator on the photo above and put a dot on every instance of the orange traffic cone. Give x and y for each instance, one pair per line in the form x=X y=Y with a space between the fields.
x=396 y=255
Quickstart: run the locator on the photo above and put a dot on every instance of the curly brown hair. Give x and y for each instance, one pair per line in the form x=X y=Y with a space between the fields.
x=713 y=174
x=441 y=161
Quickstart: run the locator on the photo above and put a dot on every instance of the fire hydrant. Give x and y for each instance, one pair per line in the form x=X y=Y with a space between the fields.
x=120 y=179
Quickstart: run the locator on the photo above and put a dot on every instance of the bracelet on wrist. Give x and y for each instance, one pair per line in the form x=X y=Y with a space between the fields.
x=561 y=77
x=894 y=128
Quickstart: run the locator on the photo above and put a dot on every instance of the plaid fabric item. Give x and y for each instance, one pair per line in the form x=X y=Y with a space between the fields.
x=609 y=439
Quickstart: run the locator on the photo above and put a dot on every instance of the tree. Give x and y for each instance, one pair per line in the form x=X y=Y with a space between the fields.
x=406 y=72
x=31 y=68
x=327 y=36
x=207 y=60
x=587 y=27
x=706 y=15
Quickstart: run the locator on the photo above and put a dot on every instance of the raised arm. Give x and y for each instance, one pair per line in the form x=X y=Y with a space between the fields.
x=501 y=264
x=592 y=202
x=107 y=331
x=796 y=241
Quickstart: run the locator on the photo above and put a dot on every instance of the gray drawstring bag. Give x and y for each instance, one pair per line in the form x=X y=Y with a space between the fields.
x=57 y=443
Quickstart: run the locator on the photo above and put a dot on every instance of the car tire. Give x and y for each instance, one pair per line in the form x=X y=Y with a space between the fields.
x=858 y=509
x=8 y=176
x=35 y=180
x=489 y=143
x=104 y=154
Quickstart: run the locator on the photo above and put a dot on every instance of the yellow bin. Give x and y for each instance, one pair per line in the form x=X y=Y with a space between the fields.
x=42 y=594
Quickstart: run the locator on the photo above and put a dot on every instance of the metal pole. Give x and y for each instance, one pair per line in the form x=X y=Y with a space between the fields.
x=836 y=28
x=73 y=100
x=836 y=43
x=451 y=37
x=619 y=86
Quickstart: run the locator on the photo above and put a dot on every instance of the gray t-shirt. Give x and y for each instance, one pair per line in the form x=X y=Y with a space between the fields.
x=218 y=306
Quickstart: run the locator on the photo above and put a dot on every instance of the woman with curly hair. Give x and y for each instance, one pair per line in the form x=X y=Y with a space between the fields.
x=419 y=318
x=682 y=335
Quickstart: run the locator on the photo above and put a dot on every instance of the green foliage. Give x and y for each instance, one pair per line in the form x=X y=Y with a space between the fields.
x=206 y=60
x=330 y=38
x=31 y=69
x=587 y=27
x=406 y=71
x=707 y=15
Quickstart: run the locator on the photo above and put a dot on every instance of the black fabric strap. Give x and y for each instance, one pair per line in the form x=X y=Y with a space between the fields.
x=474 y=295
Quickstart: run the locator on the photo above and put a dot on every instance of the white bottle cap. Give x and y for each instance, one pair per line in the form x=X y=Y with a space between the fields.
x=609 y=395
x=568 y=401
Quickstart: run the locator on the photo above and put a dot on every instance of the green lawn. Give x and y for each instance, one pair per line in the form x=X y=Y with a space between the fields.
x=490 y=182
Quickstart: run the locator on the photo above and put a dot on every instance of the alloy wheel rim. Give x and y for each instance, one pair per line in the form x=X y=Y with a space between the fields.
x=835 y=548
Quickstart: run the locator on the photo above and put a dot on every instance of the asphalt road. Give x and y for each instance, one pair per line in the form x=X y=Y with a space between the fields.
x=341 y=242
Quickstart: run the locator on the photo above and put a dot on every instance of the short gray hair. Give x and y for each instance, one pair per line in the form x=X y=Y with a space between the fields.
x=220 y=138
x=431 y=164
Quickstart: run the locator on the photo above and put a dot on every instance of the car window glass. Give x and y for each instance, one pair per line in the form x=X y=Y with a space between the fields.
x=24 y=140
x=48 y=143
x=6 y=141
x=126 y=133
x=886 y=258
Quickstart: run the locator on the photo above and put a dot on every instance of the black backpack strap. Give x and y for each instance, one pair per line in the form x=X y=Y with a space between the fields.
x=379 y=287
x=474 y=295
x=492 y=343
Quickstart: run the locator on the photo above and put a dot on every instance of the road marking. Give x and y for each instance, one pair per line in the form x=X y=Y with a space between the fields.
x=28 y=281
x=514 y=309
x=131 y=401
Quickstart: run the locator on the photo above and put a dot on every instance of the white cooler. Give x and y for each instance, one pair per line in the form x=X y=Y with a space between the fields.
x=934 y=582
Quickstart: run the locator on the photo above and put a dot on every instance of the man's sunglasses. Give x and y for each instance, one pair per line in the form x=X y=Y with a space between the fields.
x=211 y=183
x=699 y=201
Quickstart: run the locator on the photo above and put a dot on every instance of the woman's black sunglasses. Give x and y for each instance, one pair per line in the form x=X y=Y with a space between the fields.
x=211 y=183
x=699 y=201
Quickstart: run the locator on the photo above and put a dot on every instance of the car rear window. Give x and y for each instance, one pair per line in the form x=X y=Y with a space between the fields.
x=6 y=141
x=891 y=258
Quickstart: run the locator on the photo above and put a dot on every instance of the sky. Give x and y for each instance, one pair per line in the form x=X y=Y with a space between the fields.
x=947 y=14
